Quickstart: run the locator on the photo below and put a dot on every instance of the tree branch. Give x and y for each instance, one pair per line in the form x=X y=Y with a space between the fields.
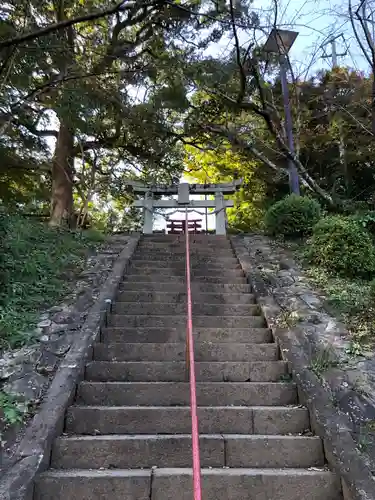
x=121 y=6
x=356 y=34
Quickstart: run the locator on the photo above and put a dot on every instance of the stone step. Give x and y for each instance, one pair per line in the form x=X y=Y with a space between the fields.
x=180 y=297
x=195 y=260
x=195 y=270
x=168 y=278
x=217 y=484
x=180 y=243
x=180 y=249
x=160 y=335
x=181 y=287
x=146 y=451
x=179 y=255
x=204 y=351
x=198 y=272
x=178 y=393
x=176 y=237
x=178 y=260
x=247 y=484
x=95 y=420
x=162 y=308
x=175 y=371
x=93 y=485
x=158 y=321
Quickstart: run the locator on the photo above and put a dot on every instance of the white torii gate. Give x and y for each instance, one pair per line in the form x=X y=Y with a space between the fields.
x=183 y=190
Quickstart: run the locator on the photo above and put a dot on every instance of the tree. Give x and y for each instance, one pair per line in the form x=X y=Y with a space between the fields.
x=74 y=82
x=223 y=165
x=362 y=20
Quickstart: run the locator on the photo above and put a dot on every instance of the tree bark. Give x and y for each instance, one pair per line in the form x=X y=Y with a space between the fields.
x=373 y=99
x=62 y=178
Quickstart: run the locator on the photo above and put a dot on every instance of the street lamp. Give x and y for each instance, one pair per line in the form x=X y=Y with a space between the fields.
x=279 y=42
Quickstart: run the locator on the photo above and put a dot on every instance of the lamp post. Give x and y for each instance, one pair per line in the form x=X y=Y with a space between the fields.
x=279 y=42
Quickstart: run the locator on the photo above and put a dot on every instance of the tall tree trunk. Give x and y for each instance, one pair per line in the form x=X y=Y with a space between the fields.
x=62 y=178
x=373 y=100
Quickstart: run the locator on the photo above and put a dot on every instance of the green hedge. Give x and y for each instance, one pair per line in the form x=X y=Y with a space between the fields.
x=342 y=245
x=292 y=216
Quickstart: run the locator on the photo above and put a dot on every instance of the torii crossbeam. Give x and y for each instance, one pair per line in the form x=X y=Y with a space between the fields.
x=183 y=190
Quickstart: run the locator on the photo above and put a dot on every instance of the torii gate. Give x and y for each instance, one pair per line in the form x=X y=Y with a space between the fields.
x=183 y=190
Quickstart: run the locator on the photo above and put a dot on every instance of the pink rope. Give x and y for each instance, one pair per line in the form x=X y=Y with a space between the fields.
x=191 y=364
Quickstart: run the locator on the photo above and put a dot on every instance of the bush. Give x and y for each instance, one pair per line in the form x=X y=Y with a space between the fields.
x=366 y=220
x=292 y=216
x=341 y=245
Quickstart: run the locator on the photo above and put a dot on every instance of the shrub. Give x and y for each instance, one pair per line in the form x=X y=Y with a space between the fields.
x=292 y=216
x=366 y=220
x=341 y=245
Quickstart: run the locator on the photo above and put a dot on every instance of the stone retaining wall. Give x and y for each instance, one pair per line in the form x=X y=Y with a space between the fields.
x=339 y=390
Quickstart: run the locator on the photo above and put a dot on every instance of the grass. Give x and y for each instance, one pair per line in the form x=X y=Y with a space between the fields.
x=350 y=300
x=37 y=267
x=322 y=363
x=13 y=411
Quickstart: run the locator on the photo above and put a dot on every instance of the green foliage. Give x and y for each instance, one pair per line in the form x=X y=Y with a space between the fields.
x=367 y=220
x=36 y=269
x=292 y=216
x=341 y=245
x=322 y=362
x=350 y=299
x=12 y=411
x=223 y=165
x=94 y=235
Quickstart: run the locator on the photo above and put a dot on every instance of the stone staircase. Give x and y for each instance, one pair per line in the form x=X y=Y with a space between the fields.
x=127 y=435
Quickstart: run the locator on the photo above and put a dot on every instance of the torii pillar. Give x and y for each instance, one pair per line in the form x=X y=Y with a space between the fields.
x=148 y=213
x=220 y=212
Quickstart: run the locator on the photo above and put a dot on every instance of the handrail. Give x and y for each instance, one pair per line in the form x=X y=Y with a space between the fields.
x=190 y=362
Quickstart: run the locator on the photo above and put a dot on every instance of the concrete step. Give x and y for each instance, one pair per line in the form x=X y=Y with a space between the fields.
x=195 y=272
x=217 y=484
x=179 y=251
x=204 y=351
x=176 y=238
x=176 y=246
x=160 y=335
x=181 y=237
x=93 y=485
x=169 y=278
x=194 y=243
x=175 y=371
x=156 y=321
x=181 y=287
x=178 y=393
x=161 y=308
x=180 y=297
x=95 y=420
x=195 y=260
x=178 y=255
x=146 y=451
x=197 y=269
x=247 y=484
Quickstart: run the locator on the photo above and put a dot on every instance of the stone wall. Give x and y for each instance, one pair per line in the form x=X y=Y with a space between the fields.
x=338 y=389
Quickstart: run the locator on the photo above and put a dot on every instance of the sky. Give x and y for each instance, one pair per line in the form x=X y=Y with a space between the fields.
x=315 y=21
